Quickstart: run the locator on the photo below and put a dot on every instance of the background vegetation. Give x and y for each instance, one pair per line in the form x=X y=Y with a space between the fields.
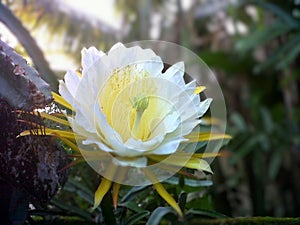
x=253 y=48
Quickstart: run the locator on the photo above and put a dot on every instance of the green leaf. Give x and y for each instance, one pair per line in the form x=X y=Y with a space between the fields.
x=205 y=213
x=80 y=190
x=262 y=36
x=246 y=148
x=72 y=209
x=189 y=182
x=136 y=218
x=278 y=55
x=133 y=192
x=133 y=206
x=289 y=58
x=158 y=214
x=230 y=63
x=275 y=164
x=285 y=16
x=182 y=200
x=268 y=124
x=18 y=206
x=238 y=121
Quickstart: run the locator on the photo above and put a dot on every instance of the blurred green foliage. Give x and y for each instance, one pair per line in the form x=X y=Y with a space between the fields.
x=263 y=69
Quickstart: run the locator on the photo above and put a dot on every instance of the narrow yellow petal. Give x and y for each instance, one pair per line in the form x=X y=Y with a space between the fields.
x=116 y=189
x=59 y=115
x=207 y=155
x=206 y=136
x=104 y=185
x=204 y=155
x=48 y=131
x=167 y=197
x=198 y=164
x=101 y=191
x=70 y=144
x=60 y=100
x=199 y=89
x=163 y=192
x=119 y=178
x=55 y=119
x=210 y=121
x=78 y=72
x=187 y=161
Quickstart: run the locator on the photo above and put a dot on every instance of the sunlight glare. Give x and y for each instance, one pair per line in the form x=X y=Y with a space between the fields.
x=102 y=10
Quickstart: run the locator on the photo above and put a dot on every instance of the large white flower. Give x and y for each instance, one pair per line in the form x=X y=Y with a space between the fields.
x=127 y=106
x=131 y=121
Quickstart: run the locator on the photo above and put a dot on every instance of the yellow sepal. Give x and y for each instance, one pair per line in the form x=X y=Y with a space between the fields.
x=104 y=185
x=60 y=100
x=49 y=131
x=71 y=144
x=162 y=191
x=55 y=118
x=187 y=161
x=199 y=89
x=101 y=191
x=116 y=189
x=206 y=136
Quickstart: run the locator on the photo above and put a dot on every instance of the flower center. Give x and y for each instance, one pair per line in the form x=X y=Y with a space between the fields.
x=117 y=82
x=136 y=105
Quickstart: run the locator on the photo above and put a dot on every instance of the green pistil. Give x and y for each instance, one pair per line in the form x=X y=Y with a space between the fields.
x=140 y=104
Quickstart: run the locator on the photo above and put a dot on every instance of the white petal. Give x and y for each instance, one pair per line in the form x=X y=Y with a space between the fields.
x=101 y=146
x=186 y=105
x=153 y=66
x=144 y=146
x=89 y=56
x=104 y=128
x=204 y=105
x=65 y=93
x=135 y=162
x=72 y=81
x=168 y=124
x=116 y=46
x=83 y=120
x=120 y=56
x=78 y=129
x=188 y=126
x=168 y=147
x=175 y=74
x=96 y=75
